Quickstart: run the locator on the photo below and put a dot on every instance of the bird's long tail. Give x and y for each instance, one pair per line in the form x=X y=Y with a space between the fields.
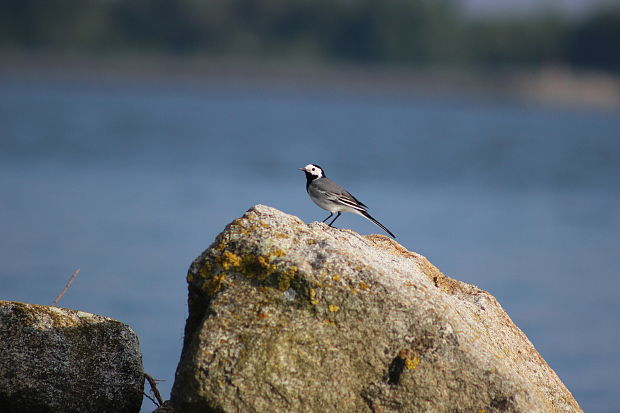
x=377 y=223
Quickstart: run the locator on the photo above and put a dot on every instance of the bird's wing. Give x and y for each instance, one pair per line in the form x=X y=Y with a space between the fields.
x=335 y=193
x=351 y=201
x=360 y=203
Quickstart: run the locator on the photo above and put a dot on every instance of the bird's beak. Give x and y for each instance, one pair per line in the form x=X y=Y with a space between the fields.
x=301 y=169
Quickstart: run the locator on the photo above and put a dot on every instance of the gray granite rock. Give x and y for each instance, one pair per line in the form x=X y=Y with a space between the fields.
x=289 y=317
x=59 y=360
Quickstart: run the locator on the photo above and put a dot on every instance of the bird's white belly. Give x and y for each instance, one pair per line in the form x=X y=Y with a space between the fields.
x=333 y=206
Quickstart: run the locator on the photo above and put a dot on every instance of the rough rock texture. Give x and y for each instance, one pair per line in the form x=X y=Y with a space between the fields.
x=58 y=360
x=289 y=317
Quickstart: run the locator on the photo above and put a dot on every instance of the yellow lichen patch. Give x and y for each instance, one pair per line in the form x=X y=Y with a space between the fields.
x=286 y=277
x=263 y=261
x=267 y=267
x=280 y=235
x=213 y=284
x=263 y=315
x=221 y=246
x=205 y=270
x=412 y=363
x=190 y=277
x=328 y=322
x=336 y=277
x=39 y=317
x=410 y=357
x=363 y=286
x=264 y=225
x=310 y=242
x=252 y=266
x=240 y=222
x=333 y=308
x=229 y=260
x=277 y=252
x=244 y=226
x=312 y=295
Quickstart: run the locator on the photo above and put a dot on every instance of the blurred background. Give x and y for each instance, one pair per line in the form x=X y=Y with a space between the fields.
x=485 y=134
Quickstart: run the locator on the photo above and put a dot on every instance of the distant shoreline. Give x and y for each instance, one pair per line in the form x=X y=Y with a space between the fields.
x=557 y=86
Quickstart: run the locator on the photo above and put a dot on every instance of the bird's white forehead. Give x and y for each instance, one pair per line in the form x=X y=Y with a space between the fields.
x=313 y=169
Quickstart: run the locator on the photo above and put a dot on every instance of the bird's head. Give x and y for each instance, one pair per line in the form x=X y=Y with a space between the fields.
x=313 y=171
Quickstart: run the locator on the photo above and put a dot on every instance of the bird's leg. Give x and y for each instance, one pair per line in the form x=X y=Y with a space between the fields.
x=334 y=220
x=330 y=215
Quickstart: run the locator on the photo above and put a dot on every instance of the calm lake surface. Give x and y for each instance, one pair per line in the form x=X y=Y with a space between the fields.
x=131 y=181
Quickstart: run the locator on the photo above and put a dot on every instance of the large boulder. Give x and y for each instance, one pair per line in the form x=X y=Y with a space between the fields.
x=58 y=360
x=289 y=317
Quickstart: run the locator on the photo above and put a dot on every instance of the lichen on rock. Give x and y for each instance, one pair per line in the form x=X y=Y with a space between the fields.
x=285 y=316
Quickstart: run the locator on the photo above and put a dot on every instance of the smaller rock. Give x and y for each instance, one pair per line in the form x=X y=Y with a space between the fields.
x=59 y=360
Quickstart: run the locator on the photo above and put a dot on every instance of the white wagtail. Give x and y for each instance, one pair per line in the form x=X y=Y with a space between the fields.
x=332 y=197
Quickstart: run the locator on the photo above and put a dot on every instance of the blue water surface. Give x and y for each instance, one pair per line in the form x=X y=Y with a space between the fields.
x=130 y=181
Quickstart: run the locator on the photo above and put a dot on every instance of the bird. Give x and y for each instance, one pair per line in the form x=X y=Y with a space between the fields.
x=330 y=196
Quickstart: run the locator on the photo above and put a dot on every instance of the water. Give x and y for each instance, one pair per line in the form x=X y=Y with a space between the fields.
x=130 y=181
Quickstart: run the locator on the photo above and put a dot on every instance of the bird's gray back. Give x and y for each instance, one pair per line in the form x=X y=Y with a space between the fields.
x=327 y=185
